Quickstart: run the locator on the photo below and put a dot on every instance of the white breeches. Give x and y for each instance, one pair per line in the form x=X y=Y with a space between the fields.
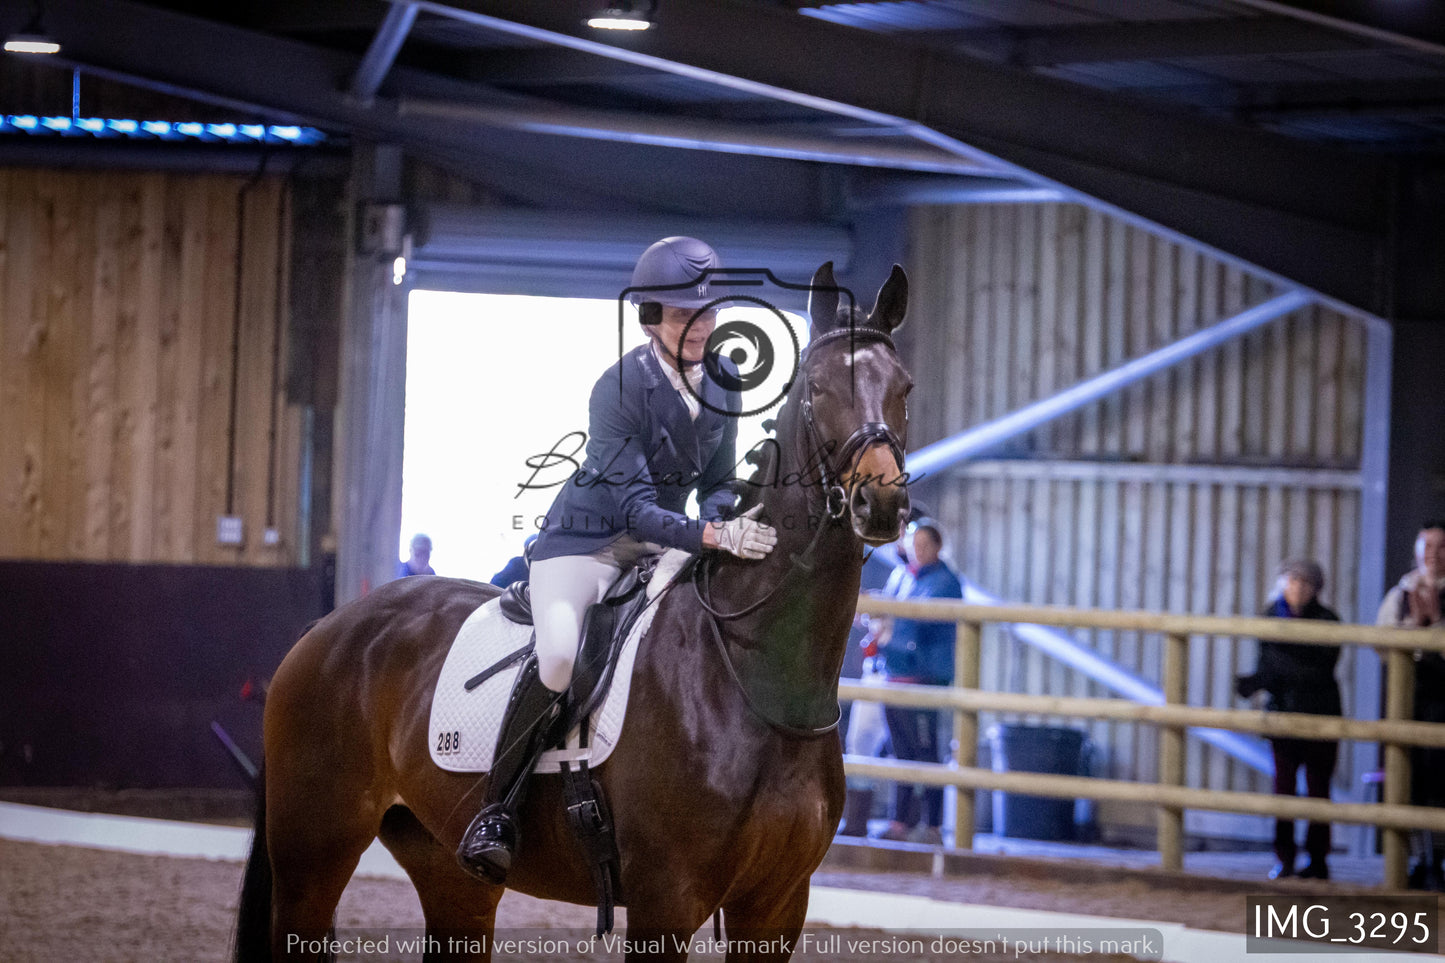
x=561 y=589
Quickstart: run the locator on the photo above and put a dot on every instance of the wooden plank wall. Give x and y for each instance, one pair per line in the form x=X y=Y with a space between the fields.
x=117 y=324
x=1012 y=303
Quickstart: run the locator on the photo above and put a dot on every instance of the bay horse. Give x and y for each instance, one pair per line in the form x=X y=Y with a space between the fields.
x=726 y=786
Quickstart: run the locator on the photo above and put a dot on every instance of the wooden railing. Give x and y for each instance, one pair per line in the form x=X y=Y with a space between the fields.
x=1169 y=794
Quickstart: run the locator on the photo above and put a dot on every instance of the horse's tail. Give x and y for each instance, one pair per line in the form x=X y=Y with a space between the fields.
x=253 y=920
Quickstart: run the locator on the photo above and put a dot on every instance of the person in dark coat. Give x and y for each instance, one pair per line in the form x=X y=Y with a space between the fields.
x=1299 y=678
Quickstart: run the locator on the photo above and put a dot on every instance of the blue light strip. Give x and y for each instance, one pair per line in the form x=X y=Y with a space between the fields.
x=189 y=131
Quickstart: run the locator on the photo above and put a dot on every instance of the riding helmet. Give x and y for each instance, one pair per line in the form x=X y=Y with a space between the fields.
x=678 y=270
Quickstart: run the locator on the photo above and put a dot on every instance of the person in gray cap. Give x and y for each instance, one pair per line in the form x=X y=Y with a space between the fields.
x=1299 y=678
x=660 y=428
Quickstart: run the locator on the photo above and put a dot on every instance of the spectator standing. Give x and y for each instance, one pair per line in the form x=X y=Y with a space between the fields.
x=420 y=561
x=921 y=653
x=1299 y=678
x=1417 y=601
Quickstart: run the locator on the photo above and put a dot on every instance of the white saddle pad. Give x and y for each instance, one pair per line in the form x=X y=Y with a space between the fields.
x=464 y=725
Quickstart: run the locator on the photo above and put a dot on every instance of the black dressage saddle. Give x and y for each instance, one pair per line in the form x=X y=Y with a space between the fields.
x=604 y=629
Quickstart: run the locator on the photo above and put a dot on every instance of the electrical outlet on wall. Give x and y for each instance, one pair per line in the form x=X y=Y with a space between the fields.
x=229 y=530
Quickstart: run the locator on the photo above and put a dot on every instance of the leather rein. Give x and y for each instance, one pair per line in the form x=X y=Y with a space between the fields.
x=835 y=507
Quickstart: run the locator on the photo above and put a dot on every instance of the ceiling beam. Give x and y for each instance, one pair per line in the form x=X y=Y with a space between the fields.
x=283 y=80
x=312 y=16
x=1306 y=213
x=290 y=81
x=542 y=67
x=529 y=169
x=1414 y=24
x=1160 y=40
x=381 y=54
x=864 y=189
x=662 y=130
x=1296 y=101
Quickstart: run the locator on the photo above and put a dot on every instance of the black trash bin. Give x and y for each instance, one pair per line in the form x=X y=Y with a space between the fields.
x=1049 y=749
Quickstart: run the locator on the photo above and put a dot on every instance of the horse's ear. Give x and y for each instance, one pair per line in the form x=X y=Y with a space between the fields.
x=823 y=300
x=892 y=301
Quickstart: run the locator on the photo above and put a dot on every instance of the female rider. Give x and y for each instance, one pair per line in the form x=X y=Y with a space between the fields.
x=659 y=429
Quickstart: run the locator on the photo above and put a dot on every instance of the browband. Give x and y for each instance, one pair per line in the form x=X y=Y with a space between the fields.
x=855 y=333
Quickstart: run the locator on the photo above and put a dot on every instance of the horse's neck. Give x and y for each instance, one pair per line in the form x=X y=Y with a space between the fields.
x=796 y=639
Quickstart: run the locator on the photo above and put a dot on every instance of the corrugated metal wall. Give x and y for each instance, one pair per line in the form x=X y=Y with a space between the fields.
x=1179 y=494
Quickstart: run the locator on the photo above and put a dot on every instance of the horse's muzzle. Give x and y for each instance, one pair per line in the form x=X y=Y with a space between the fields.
x=879 y=512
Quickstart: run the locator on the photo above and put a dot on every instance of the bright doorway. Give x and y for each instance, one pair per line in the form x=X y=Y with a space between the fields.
x=491 y=381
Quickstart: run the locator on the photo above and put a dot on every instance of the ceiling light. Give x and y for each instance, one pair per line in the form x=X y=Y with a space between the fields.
x=31 y=43
x=32 y=38
x=622 y=16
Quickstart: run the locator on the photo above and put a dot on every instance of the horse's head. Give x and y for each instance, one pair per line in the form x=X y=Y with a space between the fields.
x=855 y=408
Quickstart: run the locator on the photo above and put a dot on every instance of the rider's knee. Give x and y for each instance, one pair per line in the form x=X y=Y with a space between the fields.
x=554 y=671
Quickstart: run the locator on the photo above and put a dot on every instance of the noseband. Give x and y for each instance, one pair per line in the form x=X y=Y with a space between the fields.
x=835 y=496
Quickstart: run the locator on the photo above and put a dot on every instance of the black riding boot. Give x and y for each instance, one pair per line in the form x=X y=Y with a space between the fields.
x=490 y=841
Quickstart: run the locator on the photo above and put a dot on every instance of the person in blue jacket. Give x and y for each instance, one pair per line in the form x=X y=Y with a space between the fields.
x=659 y=429
x=920 y=653
x=516 y=568
x=420 y=561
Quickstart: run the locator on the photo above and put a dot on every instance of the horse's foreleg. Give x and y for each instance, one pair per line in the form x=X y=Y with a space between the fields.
x=460 y=911
x=664 y=911
x=765 y=928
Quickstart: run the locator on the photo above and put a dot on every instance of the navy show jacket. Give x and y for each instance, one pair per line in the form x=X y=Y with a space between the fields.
x=644 y=456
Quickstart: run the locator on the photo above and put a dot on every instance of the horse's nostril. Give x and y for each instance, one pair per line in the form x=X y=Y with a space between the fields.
x=859 y=503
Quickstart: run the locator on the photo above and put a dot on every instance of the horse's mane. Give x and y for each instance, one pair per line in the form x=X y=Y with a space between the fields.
x=765 y=469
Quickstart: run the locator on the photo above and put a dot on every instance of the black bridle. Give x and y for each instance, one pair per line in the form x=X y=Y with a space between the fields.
x=835 y=495
x=835 y=506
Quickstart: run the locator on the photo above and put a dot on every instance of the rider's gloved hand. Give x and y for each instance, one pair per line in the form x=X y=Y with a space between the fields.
x=744 y=536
